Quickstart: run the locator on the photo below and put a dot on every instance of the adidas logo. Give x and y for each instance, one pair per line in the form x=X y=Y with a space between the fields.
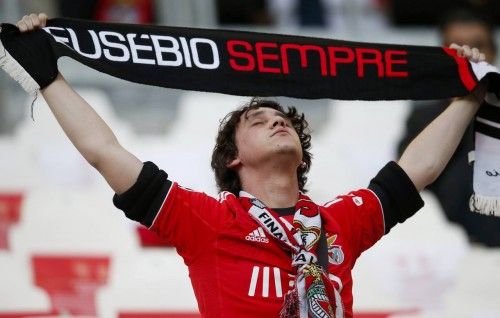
x=257 y=235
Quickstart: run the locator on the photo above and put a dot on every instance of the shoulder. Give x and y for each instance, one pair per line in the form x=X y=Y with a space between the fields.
x=361 y=198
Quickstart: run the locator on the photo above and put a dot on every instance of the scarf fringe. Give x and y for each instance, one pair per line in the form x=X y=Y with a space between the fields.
x=485 y=205
x=17 y=72
x=291 y=305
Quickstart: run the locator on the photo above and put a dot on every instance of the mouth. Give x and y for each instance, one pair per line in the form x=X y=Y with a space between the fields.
x=280 y=131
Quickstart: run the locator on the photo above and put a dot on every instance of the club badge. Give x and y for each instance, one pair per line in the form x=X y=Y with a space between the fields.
x=335 y=253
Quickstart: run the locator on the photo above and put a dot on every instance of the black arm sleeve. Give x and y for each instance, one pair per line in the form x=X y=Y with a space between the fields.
x=143 y=200
x=397 y=194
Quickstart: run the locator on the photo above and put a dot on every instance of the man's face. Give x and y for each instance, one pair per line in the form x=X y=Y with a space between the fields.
x=266 y=134
x=473 y=34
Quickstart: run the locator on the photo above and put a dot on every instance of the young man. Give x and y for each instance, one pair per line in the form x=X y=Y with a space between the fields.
x=263 y=249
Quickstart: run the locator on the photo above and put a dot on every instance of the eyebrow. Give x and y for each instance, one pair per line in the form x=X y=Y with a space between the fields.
x=260 y=112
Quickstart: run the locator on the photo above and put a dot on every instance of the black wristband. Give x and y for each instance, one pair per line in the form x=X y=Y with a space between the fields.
x=143 y=200
x=397 y=194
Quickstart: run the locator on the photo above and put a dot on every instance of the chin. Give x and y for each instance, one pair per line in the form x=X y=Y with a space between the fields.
x=290 y=150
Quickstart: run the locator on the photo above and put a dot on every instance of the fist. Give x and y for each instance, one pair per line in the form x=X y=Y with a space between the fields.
x=32 y=22
x=469 y=53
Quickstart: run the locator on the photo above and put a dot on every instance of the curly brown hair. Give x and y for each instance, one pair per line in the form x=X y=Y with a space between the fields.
x=225 y=148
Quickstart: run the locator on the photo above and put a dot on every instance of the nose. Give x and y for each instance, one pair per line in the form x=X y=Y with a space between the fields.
x=278 y=121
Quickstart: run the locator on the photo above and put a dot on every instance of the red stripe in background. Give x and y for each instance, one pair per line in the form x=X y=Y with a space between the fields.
x=55 y=314
x=49 y=314
x=381 y=314
x=10 y=210
x=158 y=315
x=468 y=79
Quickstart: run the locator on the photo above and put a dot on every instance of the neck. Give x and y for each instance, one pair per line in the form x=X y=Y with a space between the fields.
x=274 y=187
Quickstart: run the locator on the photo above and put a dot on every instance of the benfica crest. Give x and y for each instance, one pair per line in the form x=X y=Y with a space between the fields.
x=319 y=304
x=335 y=253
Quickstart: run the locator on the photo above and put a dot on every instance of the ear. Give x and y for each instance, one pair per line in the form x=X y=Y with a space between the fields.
x=233 y=163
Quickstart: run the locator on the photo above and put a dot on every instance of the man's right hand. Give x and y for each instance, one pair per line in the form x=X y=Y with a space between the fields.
x=28 y=58
x=32 y=22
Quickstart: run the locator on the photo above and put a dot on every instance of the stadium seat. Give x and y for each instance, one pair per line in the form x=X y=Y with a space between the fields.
x=151 y=281
x=185 y=151
x=52 y=156
x=352 y=146
x=407 y=268
x=69 y=220
x=15 y=169
x=475 y=289
x=18 y=293
x=71 y=281
x=10 y=206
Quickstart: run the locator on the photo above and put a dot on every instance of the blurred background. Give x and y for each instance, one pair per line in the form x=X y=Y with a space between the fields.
x=65 y=250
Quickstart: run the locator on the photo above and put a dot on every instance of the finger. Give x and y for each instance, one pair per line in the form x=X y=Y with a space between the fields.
x=458 y=48
x=28 y=22
x=467 y=51
x=482 y=57
x=475 y=54
x=22 y=26
x=43 y=19
x=34 y=20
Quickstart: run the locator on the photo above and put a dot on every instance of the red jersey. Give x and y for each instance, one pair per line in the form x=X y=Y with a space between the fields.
x=235 y=267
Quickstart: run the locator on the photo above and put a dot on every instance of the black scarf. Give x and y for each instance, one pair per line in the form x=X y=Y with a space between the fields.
x=259 y=64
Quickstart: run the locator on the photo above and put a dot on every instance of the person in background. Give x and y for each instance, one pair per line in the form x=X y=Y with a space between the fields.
x=454 y=187
x=243 y=12
x=122 y=11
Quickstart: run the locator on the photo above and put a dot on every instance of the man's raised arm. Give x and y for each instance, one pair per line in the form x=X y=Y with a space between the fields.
x=428 y=154
x=91 y=136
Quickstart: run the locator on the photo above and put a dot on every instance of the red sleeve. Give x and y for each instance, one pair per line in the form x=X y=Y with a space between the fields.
x=187 y=219
x=360 y=215
x=190 y=220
